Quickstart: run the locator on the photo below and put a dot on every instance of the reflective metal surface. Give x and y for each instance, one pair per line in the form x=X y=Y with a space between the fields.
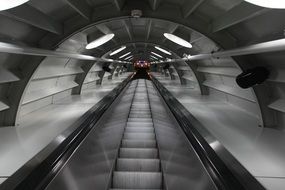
x=38 y=172
x=181 y=167
x=91 y=165
x=23 y=50
x=224 y=169
x=120 y=151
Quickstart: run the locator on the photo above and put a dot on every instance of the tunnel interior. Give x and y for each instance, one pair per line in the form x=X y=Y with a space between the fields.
x=59 y=58
x=141 y=73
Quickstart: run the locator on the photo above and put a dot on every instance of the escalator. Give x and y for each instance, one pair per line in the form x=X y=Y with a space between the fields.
x=138 y=164
x=137 y=137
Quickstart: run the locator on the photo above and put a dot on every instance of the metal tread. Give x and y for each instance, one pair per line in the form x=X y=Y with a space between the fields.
x=139 y=180
x=137 y=164
x=138 y=153
x=139 y=129
x=130 y=143
x=140 y=135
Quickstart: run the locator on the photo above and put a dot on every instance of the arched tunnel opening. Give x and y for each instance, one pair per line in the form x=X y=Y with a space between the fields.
x=142 y=70
x=141 y=74
x=142 y=94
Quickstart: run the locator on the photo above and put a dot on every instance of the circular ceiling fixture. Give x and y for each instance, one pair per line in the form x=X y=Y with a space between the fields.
x=118 y=50
x=8 y=4
x=177 y=40
x=273 y=4
x=163 y=50
x=100 y=41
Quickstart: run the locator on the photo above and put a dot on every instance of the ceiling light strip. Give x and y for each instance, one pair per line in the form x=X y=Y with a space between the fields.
x=118 y=50
x=23 y=50
x=154 y=57
x=163 y=50
x=266 y=47
x=129 y=57
x=156 y=54
x=125 y=55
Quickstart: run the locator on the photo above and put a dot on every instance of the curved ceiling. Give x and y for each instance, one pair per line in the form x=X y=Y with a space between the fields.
x=209 y=25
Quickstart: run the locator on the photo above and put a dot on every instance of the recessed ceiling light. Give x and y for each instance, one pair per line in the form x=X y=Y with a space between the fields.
x=118 y=50
x=154 y=57
x=8 y=4
x=156 y=54
x=162 y=50
x=125 y=55
x=100 y=41
x=129 y=57
x=178 y=40
x=273 y=4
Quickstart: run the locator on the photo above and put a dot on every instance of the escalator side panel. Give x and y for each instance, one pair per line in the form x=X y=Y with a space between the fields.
x=181 y=167
x=91 y=165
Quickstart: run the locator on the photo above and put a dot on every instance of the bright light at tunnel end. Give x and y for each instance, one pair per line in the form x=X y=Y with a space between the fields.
x=9 y=4
x=273 y=4
x=177 y=40
x=100 y=41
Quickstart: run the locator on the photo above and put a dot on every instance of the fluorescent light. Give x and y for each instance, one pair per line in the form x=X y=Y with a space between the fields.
x=8 y=4
x=178 y=40
x=162 y=50
x=154 y=57
x=156 y=54
x=125 y=55
x=118 y=50
x=273 y=4
x=128 y=57
x=100 y=41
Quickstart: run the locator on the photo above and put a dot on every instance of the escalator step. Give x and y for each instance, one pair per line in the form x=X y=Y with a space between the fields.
x=140 y=124
x=137 y=180
x=140 y=112
x=138 y=143
x=135 y=189
x=140 y=119
x=138 y=153
x=139 y=136
x=139 y=129
x=139 y=116
x=145 y=165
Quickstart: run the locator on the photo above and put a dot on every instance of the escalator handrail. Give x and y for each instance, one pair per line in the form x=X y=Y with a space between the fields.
x=226 y=172
x=41 y=169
